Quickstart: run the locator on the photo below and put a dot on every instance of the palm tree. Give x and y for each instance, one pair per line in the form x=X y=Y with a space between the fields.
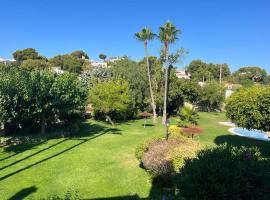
x=145 y=36
x=167 y=34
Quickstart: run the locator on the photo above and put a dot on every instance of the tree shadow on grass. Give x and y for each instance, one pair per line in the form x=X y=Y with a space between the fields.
x=23 y=193
x=95 y=131
x=235 y=140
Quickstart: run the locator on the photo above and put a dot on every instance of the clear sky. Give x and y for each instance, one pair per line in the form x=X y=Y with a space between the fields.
x=233 y=31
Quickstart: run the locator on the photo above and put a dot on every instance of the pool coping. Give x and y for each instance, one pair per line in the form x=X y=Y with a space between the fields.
x=231 y=130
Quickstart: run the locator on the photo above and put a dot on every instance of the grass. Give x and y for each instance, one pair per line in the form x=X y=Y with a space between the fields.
x=98 y=163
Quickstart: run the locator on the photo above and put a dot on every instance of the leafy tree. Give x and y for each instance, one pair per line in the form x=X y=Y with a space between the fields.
x=25 y=54
x=250 y=108
x=67 y=62
x=44 y=109
x=167 y=34
x=110 y=97
x=135 y=75
x=15 y=98
x=145 y=36
x=69 y=93
x=36 y=99
x=212 y=96
x=35 y=65
x=102 y=56
x=202 y=71
x=181 y=91
x=80 y=54
x=256 y=74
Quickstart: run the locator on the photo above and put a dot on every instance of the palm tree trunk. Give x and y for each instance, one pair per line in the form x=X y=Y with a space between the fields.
x=164 y=119
x=150 y=85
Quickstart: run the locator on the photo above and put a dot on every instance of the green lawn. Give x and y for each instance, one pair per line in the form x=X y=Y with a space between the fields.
x=98 y=163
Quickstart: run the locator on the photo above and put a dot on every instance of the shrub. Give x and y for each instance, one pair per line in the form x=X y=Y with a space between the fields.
x=175 y=131
x=225 y=172
x=142 y=148
x=156 y=160
x=187 y=116
x=187 y=150
x=160 y=157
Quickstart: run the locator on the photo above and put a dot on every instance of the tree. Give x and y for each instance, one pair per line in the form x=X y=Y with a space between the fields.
x=167 y=34
x=102 y=57
x=202 y=71
x=15 y=98
x=67 y=62
x=110 y=97
x=255 y=74
x=80 y=54
x=187 y=117
x=250 y=108
x=212 y=95
x=35 y=65
x=145 y=36
x=135 y=75
x=29 y=100
x=25 y=54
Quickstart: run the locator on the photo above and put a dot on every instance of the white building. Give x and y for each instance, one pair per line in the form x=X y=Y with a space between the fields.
x=182 y=74
x=115 y=58
x=57 y=70
x=101 y=64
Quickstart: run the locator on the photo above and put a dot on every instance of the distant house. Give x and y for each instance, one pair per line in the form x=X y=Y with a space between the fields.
x=115 y=58
x=101 y=64
x=57 y=70
x=182 y=74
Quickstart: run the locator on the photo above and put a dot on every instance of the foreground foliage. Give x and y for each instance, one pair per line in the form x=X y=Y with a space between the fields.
x=250 y=108
x=225 y=172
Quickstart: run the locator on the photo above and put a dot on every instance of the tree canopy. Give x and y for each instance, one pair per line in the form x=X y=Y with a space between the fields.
x=250 y=108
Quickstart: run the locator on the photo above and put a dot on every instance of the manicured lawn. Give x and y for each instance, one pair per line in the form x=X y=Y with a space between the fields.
x=98 y=163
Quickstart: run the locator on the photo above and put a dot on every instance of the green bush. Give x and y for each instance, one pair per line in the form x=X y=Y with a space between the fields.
x=143 y=147
x=162 y=157
x=175 y=132
x=187 y=116
x=225 y=172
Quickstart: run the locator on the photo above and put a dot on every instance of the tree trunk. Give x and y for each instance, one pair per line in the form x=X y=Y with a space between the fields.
x=220 y=73
x=150 y=85
x=164 y=119
x=43 y=125
x=109 y=119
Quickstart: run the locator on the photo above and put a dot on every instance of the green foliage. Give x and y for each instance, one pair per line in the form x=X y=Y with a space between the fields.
x=142 y=148
x=250 y=108
x=212 y=96
x=35 y=64
x=225 y=172
x=25 y=54
x=254 y=74
x=202 y=71
x=110 y=96
x=187 y=117
x=68 y=62
x=80 y=54
x=162 y=157
x=135 y=75
x=181 y=91
x=102 y=56
x=33 y=99
x=175 y=132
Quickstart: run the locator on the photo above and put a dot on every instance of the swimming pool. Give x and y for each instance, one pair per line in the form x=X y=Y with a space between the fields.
x=255 y=134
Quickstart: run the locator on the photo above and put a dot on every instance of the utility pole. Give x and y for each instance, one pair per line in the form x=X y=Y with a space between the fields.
x=220 y=73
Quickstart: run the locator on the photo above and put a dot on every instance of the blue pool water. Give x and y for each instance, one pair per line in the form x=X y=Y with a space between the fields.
x=259 y=135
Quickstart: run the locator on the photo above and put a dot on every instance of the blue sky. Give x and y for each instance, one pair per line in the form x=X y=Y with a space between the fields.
x=233 y=31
